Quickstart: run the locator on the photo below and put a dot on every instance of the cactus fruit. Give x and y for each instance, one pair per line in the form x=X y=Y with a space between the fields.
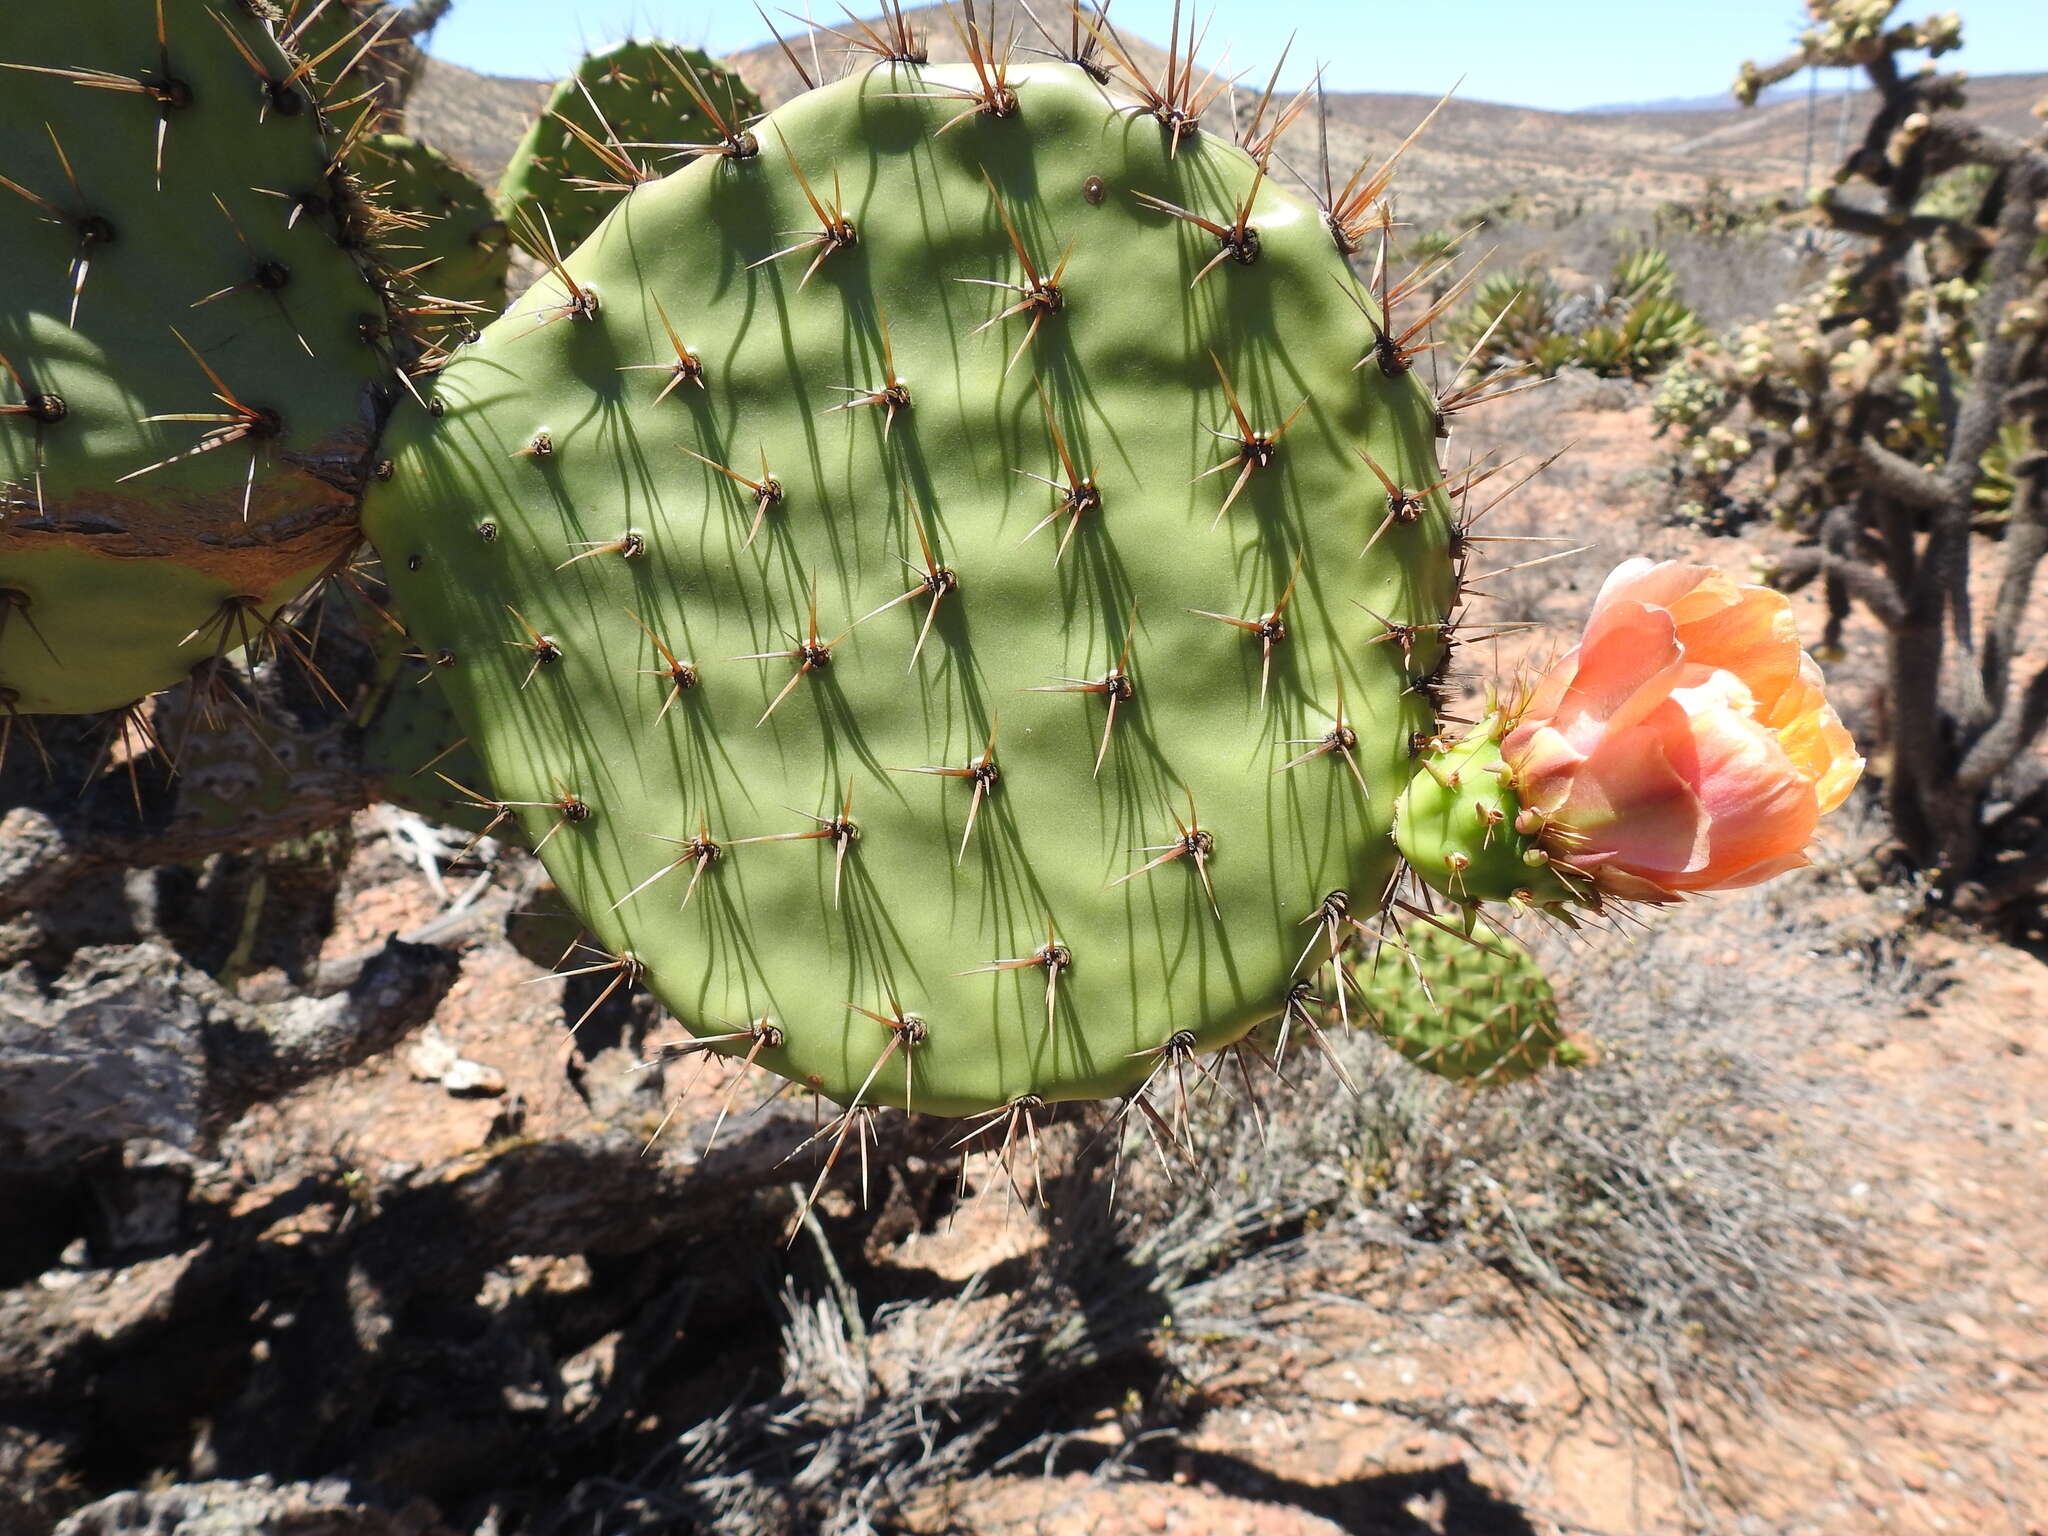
x=951 y=594
x=1475 y=1009
x=616 y=122
x=192 y=370
x=445 y=235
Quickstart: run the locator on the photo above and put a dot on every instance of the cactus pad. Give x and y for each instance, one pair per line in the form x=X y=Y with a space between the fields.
x=627 y=103
x=922 y=590
x=1476 y=1010
x=193 y=374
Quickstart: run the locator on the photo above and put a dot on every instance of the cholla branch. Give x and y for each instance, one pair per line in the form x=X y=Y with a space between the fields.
x=1900 y=412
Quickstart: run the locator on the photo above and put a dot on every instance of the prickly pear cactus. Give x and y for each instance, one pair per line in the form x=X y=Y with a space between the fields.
x=363 y=51
x=1476 y=1010
x=621 y=118
x=192 y=367
x=923 y=586
x=444 y=234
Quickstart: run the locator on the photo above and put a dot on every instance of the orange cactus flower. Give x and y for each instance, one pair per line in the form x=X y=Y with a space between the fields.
x=1685 y=744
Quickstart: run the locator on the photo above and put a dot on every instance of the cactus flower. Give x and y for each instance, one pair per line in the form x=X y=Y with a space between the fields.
x=1685 y=744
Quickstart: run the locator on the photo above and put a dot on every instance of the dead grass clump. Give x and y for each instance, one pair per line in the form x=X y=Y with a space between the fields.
x=869 y=1414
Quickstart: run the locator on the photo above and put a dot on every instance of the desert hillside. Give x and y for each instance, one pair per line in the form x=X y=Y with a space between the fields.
x=1477 y=154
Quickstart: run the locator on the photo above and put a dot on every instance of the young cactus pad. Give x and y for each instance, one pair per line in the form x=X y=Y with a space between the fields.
x=923 y=592
x=629 y=108
x=191 y=376
x=1477 y=1010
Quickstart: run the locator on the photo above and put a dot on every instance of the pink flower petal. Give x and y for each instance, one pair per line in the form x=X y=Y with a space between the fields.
x=1545 y=765
x=1685 y=744
x=1627 y=663
x=1758 y=805
x=1631 y=805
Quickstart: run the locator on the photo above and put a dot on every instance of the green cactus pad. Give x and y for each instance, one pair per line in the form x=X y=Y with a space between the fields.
x=116 y=577
x=1456 y=827
x=1475 y=1010
x=634 y=94
x=450 y=237
x=549 y=507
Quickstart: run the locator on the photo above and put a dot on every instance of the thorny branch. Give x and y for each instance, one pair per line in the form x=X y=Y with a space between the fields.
x=1899 y=537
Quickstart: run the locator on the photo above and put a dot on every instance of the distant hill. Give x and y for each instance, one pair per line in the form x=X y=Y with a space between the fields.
x=1771 y=96
x=479 y=119
x=1477 y=155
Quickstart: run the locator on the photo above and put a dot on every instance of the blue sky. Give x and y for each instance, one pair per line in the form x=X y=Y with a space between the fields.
x=1544 y=53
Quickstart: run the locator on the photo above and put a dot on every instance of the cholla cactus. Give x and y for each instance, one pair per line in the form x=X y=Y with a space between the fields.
x=1851 y=34
x=1687 y=396
x=1897 y=407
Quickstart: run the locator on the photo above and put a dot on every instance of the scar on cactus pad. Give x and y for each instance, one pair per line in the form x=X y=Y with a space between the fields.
x=1008 y=512
x=193 y=347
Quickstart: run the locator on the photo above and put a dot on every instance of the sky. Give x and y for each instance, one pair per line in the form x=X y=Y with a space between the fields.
x=1560 y=54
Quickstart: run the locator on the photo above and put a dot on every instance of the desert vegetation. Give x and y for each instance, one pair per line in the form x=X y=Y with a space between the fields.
x=361 y=1170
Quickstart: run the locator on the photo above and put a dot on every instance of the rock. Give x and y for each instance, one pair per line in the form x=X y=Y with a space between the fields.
x=473 y=1079
x=131 y=1042
x=431 y=1055
x=259 y=1507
